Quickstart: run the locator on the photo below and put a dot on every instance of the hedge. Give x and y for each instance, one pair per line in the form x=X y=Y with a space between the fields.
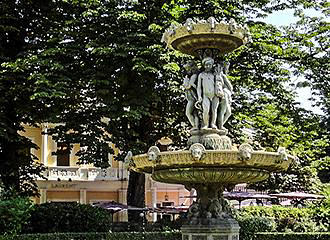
x=293 y=236
x=67 y=217
x=158 y=236
x=286 y=219
x=99 y=236
x=14 y=214
x=250 y=225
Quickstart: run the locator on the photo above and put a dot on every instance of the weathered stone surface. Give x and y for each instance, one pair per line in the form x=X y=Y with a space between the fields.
x=196 y=35
x=222 y=159
x=227 y=230
x=209 y=175
x=209 y=95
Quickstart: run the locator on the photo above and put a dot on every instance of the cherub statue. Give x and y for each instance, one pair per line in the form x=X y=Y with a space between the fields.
x=189 y=83
x=215 y=208
x=224 y=111
x=206 y=94
x=212 y=21
x=246 y=33
x=193 y=213
x=172 y=29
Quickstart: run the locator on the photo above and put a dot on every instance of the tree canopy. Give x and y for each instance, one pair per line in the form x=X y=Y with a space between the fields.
x=99 y=68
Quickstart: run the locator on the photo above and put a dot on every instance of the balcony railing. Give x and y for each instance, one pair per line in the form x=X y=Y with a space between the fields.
x=85 y=174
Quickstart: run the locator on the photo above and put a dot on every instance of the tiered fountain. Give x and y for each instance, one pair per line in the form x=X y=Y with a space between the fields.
x=209 y=164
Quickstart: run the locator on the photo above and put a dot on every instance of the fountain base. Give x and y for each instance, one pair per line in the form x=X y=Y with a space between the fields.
x=228 y=229
x=210 y=217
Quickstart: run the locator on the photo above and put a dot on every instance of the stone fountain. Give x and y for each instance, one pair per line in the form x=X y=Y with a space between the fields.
x=209 y=164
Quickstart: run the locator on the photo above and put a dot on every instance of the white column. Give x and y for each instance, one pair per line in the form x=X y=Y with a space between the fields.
x=44 y=149
x=43 y=196
x=122 y=198
x=83 y=196
x=120 y=170
x=154 y=203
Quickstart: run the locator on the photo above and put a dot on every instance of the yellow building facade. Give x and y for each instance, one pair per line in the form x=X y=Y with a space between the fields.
x=66 y=181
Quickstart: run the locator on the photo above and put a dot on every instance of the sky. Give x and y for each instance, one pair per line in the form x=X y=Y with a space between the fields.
x=285 y=18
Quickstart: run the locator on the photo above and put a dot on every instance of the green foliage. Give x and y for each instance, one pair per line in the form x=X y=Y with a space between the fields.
x=250 y=225
x=267 y=105
x=321 y=210
x=323 y=169
x=14 y=212
x=17 y=167
x=290 y=219
x=100 y=236
x=68 y=217
x=293 y=236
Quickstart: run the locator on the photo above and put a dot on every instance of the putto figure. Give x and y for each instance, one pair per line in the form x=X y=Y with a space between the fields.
x=206 y=94
x=189 y=83
x=224 y=110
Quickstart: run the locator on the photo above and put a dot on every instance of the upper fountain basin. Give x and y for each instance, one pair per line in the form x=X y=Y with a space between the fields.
x=194 y=36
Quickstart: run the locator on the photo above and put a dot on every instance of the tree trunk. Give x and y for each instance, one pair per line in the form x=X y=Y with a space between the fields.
x=9 y=170
x=136 y=195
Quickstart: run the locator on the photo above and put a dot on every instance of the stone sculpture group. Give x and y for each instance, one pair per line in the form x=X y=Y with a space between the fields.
x=208 y=93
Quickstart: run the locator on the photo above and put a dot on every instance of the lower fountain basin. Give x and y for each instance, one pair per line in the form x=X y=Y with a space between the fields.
x=223 y=176
x=211 y=166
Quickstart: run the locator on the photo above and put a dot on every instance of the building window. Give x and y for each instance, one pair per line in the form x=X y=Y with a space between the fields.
x=63 y=154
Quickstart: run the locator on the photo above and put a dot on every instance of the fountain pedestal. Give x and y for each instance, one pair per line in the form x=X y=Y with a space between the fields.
x=227 y=230
x=210 y=218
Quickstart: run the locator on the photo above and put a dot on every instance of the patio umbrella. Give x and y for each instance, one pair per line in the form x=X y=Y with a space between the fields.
x=112 y=206
x=241 y=196
x=297 y=197
x=116 y=207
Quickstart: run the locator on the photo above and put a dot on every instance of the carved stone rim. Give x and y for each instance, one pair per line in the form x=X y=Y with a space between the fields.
x=270 y=161
x=203 y=36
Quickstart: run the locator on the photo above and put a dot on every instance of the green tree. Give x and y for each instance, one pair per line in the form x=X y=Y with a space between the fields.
x=18 y=20
x=310 y=38
x=304 y=52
